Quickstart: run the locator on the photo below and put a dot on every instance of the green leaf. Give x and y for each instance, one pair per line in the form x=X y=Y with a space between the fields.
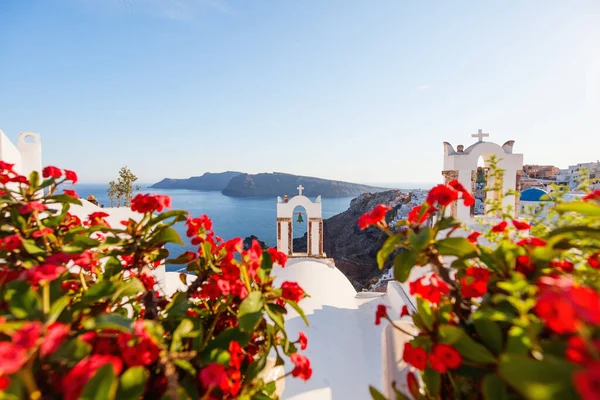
x=57 y=308
x=178 y=306
x=494 y=388
x=102 y=386
x=250 y=311
x=538 y=380
x=389 y=246
x=490 y=334
x=98 y=291
x=419 y=241
x=30 y=247
x=63 y=198
x=72 y=350
x=80 y=243
x=403 y=264
x=132 y=383
x=167 y=235
x=466 y=346
x=375 y=394
x=299 y=310
x=456 y=246
x=23 y=301
x=218 y=356
x=112 y=267
x=129 y=288
x=432 y=381
x=424 y=310
x=178 y=214
x=185 y=327
x=448 y=222
x=109 y=321
x=518 y=341
x=229 y=335
x=582 y=207
x=266 y=267
x=255 y=368
x=273 y=310
x=185 y=365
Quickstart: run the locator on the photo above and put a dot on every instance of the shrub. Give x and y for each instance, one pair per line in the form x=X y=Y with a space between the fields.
x=82 y=315
x=518 y=317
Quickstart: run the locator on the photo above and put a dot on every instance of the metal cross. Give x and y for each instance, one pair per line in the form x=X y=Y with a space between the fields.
x=480 y=135
x=300 y=189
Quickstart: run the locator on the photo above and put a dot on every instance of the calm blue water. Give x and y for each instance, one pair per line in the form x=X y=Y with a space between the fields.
x=232 y=217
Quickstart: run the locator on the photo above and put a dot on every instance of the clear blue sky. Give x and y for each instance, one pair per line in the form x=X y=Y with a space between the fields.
x=363 y=91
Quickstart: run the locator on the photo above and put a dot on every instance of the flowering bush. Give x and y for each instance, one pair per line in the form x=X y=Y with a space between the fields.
x=516 y=318
x=81 y=315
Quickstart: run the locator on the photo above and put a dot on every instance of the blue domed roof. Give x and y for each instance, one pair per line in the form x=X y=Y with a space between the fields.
x=535 y=194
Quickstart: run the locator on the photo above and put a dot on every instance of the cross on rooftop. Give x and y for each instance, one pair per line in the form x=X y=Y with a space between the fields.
x=300 y=189
x=480 y=135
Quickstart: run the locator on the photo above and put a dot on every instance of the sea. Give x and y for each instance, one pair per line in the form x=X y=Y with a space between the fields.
x=232 y=216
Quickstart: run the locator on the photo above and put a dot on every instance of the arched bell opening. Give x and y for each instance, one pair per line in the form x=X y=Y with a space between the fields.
x=300 y=228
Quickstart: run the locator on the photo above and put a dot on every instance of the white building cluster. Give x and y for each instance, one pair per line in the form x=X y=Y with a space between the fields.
x=570 y=176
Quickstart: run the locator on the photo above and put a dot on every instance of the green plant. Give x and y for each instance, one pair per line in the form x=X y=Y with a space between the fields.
x=518 y=317
x=123 y=189
x=81 y=315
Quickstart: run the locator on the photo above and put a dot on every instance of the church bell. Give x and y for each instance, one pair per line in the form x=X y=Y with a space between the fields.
x=299 y=220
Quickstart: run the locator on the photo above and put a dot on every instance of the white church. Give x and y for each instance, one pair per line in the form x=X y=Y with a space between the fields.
x=348 y=352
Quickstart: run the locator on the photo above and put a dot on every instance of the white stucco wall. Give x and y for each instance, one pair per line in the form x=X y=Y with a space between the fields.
x=316 y=237
x=282 y=242
x=9 y=153
x=313 y=211
x=31 y=152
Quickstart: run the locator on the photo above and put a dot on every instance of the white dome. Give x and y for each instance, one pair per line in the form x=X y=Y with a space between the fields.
x=324 y=283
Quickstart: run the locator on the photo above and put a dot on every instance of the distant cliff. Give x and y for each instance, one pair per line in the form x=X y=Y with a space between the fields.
x=207 y=182
x=279 y=184
x=355 y=250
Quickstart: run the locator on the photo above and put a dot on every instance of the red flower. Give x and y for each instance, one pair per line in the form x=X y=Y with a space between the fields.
x=210 y=290
x=412 y=384
x=565 y=265
x=442 y=195
x=253 y=257
x=12 y=358
x=44 y=273
x=71 y=193
x=595 y=195
x=577 y=351
x=563 y=307
x=224 y=287
x=520 y=225
x=448 y=355
x=12 y=243
x=75 y=380
x=4 y=382
x=302 y=368
x=587 y=382
x=432 y=291
x=292 y=291
x=473 y=237
x=31 y=207
x=532 y=241
x=70 y=176
x=56 y=335
x=302 y=340
x=51 y=172
x=27 y=336
x=524 y=265
x=474 y=283
x=97 y=218
x=380 y=313
x=500 y=227
x=213 y=375
x=374 y=217
x=468 y=199
x=194 y=224
x=413 y=215
x=137 y=349
x=404 y=311
x=147 y=203
x=278 y=257
x=237 y=355
x=42 y=232
x=594 y=261
x=415 y=356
